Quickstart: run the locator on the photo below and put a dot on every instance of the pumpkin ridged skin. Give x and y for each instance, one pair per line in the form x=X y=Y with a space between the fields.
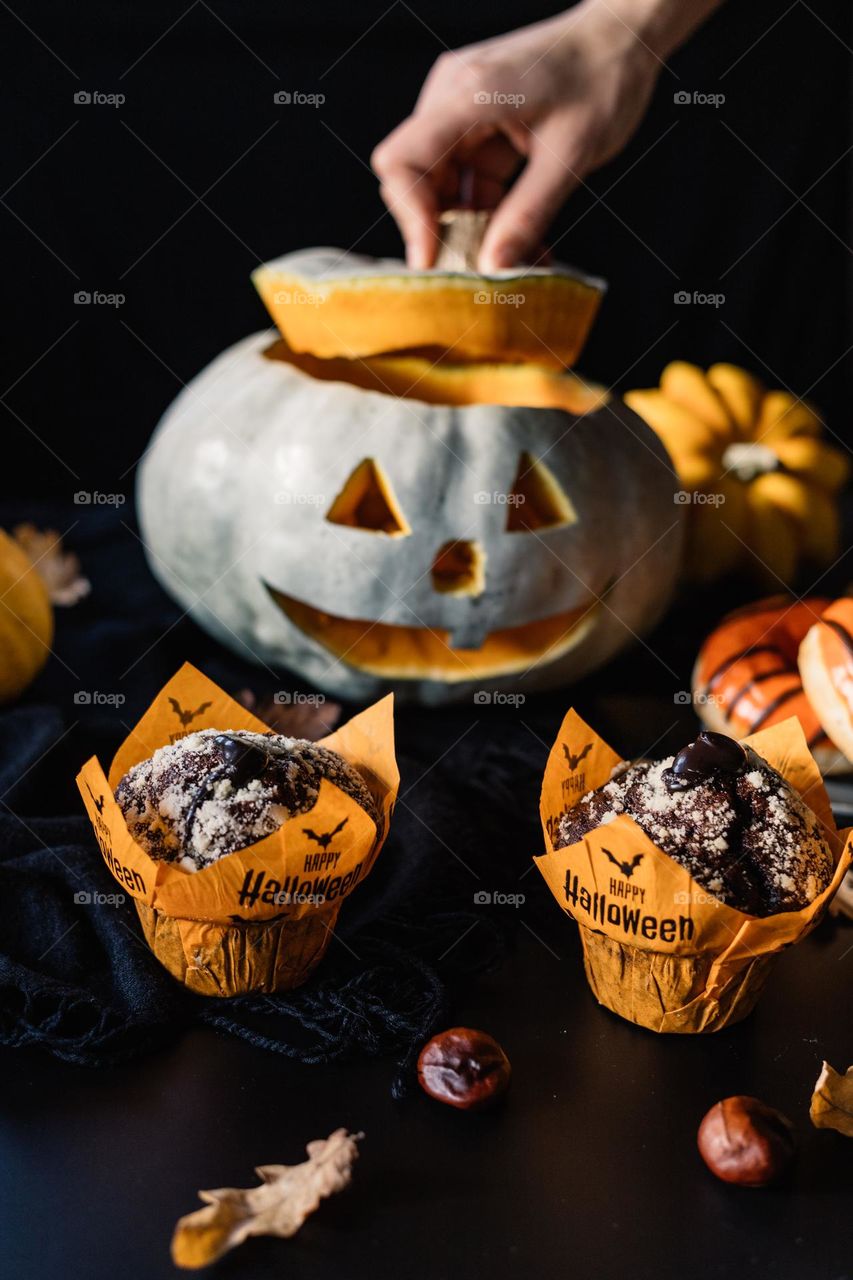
x=26 y=620
x=740 y=392
x=220 y=504
x=331 y=303
x=721 y=426
x=686 y=385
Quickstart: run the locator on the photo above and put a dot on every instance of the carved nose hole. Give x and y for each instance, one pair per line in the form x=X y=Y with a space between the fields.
x=459 y=569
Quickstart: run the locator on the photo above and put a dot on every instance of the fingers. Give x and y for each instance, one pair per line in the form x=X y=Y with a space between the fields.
x=411 y=164
x=556 y=166
x=412 y=201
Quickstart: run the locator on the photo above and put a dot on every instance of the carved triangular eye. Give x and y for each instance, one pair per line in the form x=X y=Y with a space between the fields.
x=537 y=500
x=367 y=501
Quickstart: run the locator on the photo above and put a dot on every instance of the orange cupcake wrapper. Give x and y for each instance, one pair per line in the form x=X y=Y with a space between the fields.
x=701 y=962
x=286 y=880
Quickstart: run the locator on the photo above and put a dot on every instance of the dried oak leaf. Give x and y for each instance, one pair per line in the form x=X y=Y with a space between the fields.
x=832 y=1101
x=278 y=1207
x=302 y=719
x=58 y=569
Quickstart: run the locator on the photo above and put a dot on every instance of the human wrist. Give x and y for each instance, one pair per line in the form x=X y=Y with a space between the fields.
x=657 y=26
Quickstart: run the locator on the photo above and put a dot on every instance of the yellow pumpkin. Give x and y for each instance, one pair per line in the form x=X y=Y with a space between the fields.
x=26 y=620
x=760 y=481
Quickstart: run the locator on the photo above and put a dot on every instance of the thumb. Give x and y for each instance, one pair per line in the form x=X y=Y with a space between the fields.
x=521 y=221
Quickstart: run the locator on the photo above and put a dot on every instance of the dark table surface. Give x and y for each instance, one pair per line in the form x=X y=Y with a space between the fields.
x=589 y=1169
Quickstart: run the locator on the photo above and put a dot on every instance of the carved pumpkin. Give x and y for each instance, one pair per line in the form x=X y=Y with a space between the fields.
x=369 y=542
x=759 y=457
x=26 y=620
x=328 y=302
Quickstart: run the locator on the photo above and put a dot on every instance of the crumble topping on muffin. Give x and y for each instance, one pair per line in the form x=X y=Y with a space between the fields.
x=210 y=792
x=726 y=816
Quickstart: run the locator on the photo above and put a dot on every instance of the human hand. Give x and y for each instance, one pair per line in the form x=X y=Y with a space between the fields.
x=564 y=95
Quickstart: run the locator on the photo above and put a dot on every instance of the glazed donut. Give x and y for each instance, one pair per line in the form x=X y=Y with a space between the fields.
x=826 y=667
x=746 y=676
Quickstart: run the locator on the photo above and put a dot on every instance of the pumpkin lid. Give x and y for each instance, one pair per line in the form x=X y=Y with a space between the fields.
x=329 y=302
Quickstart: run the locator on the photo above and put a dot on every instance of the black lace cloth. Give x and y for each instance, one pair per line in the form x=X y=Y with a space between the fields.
x=76 y=978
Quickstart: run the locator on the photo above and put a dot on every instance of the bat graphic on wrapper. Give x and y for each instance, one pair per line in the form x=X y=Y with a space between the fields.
x=186 y=717
x=574 y=761
x=98 y=801
x=326 y=839
x=627 y=868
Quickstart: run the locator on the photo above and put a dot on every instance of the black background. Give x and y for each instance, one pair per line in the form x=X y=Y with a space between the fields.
x=591 y=1168
x=172 y=199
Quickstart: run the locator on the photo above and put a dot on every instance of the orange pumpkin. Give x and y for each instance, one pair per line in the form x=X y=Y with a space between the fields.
x=26 y=620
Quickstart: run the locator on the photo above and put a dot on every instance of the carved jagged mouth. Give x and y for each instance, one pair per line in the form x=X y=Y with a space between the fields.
x=419 y=653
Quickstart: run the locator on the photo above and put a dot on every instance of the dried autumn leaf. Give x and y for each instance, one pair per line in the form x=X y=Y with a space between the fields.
x=832 y=1101
x=278 y=1207
x=58 y=569
x=302 y=719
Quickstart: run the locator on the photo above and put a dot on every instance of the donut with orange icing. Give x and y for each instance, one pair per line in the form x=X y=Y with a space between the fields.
x=747 y=678
x=826 y=667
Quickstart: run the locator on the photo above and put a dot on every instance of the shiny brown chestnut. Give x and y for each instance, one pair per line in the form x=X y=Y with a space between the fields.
x=745 y=1142
x=464 y=1068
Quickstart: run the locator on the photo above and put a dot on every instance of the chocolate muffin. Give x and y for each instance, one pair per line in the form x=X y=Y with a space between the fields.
x=724 y=815
x=210 y=793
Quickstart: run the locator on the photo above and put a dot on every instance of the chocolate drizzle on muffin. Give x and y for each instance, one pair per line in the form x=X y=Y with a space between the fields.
x=727 y=817
x=210 y=793
x=710 y=754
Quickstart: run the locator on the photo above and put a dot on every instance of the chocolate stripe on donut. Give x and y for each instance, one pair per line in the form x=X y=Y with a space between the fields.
x=749 y=652
x=754 y=680
x=840 y=630
x=774 y=706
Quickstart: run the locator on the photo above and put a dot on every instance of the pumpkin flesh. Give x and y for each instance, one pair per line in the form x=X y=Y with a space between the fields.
x=404 y=653
x=436 y=380
x=334 y=304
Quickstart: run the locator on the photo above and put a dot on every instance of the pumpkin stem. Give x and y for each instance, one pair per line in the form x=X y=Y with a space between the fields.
x=461 y=232
x=750 y=459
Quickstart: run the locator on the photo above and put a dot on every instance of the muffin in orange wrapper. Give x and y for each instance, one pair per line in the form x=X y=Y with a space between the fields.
x=682 y=939
x=238 y=845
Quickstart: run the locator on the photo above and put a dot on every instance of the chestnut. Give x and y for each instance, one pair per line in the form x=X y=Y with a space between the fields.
x=464 y=1068
x=744 y=1141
